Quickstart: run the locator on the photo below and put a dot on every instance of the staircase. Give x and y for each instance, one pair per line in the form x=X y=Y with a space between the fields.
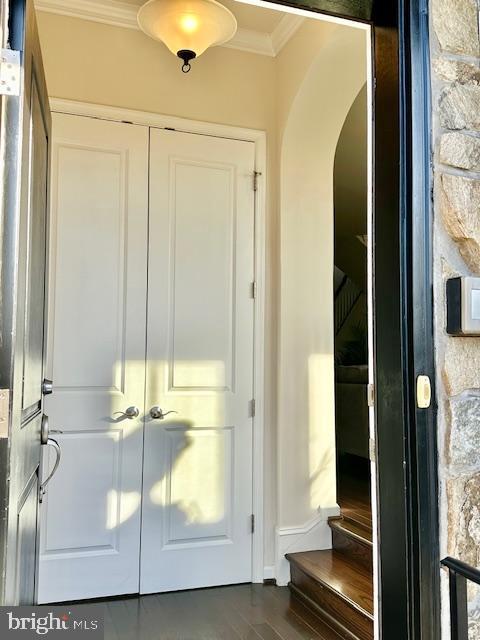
x=337 y=584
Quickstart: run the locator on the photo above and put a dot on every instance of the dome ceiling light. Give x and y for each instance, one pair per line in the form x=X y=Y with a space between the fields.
x=187 y=27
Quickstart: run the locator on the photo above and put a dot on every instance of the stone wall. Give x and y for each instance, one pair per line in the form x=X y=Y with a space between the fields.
x=455 y=54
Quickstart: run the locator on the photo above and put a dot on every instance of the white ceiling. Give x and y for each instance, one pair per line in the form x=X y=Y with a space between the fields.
x=262 y=31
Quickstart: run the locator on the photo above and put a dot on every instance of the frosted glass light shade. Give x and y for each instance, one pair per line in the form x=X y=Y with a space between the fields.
x=192 y=25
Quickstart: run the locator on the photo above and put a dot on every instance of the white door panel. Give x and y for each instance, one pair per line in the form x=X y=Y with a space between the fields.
x=197 y=501
x=96 y=357
x=197 y=467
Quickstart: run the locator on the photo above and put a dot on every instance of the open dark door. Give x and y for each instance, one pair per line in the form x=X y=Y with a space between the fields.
x=359 y=10
x=405 y=445
x=24 y=140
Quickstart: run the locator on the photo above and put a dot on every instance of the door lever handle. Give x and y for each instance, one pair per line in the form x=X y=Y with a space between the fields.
x=157 y=413
x=130 y=413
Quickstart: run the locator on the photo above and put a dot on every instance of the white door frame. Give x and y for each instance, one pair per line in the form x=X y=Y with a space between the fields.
x=258 y=137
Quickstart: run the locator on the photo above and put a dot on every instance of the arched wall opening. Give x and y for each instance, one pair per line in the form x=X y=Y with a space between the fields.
x=350 y=252
x=306 y=414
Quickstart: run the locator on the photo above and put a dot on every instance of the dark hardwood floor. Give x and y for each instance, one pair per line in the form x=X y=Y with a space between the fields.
x=247 y=612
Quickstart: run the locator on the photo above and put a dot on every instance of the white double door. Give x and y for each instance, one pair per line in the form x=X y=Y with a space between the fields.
x=151 y=264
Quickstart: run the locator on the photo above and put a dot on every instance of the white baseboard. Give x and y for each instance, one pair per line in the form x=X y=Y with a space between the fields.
x=269 y=573
x=314 y=535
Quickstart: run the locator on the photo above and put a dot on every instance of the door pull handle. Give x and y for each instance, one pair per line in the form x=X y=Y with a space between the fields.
x=44 y=430
x=52 y=443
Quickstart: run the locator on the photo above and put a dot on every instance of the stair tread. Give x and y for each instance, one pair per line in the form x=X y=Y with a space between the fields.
x=355 y=516
x=354 y=498
x=340 y=574
x=352 y=529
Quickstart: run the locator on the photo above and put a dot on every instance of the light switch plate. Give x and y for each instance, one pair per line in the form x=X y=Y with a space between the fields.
x=463 y=306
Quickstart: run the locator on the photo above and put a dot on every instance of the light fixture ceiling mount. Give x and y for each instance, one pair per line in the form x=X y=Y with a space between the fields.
x=187 y=27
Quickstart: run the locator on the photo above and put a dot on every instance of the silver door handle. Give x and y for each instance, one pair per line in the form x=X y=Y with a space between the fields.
x=47 y=387
x=44 y=430
x=130 y=413
x=157 y=413
x=53 y=443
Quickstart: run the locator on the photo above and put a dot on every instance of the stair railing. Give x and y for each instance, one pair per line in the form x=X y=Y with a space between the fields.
x=459 y=575
x=346 y=298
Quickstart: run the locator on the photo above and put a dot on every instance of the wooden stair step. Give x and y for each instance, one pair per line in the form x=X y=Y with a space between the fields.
x=338 y=588
x=338 y=573
x=353 y=540
x=353 y=529
x=362 y=518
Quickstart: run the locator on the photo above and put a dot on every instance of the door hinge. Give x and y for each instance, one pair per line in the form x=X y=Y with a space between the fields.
x=252 y=408
x=371 y=395
x=372 y=450
x=253 y=290
x=256 y=175
x=10 y=72
x=252 y=523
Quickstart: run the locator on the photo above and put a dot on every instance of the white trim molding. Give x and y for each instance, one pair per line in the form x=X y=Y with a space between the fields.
x=251 y=41
x=148 y=119
x=113 y=12
x=124 y=14
x=314 y=535
x=286 y=29
x=269 y=573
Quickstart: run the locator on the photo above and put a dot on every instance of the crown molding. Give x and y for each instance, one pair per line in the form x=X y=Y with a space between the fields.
x=112 y=12
x=251 y=41
x=123 y=14
x=285 y=30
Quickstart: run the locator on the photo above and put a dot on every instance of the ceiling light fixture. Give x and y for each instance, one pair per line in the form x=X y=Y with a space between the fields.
x=187 y=27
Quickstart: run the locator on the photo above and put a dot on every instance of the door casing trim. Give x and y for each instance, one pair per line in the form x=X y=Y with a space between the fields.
x=258 y=137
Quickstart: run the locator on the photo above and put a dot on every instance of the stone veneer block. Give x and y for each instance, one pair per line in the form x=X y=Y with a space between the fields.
x=465 y=431
x=456 y=26
x=460 y=150
x=456 y=71
x=460 y=107
x=463 y=495
x=473 y=627
x=460 y=206
x=461 y=365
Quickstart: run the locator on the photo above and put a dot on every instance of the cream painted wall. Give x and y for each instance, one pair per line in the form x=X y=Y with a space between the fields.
x=295 y=61
x=122 y=67
x=97 y=63
x=308 y=138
